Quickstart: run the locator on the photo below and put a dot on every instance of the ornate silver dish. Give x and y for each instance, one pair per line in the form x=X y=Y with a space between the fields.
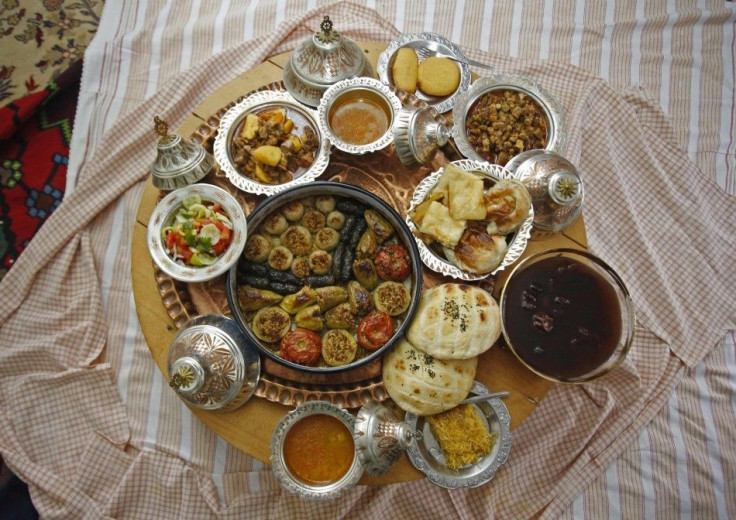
x=321 y=61
x=367 y=91
x=439 y=263
x=437 y=43
x=163 y=215
x=292 y=484
x=427 y=457
x=256 y=102
x=556 y=132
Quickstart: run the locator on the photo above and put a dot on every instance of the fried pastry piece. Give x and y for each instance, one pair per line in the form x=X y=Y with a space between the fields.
x=507 y=205
x=477 y=251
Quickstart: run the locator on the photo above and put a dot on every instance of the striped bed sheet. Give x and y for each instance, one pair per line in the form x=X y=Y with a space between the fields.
x=680 y=55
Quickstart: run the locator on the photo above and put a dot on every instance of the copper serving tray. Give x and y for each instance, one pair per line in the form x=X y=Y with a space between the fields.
x=380 y=172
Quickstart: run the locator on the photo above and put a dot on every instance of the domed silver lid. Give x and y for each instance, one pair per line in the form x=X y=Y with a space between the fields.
x=179 y=162
x=321 y=61
x=210 y=365
x=418 y=136
x=555 y=187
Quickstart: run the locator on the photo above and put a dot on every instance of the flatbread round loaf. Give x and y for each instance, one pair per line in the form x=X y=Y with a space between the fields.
x=423 y=385
x=455 y=321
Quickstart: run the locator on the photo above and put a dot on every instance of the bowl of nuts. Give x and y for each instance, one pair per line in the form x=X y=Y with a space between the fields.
x=503 y=115
x=269 y=142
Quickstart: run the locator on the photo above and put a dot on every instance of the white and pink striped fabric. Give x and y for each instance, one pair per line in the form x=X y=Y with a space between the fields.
x=648 y=87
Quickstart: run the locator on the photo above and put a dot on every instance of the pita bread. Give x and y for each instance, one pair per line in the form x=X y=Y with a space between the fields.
x=455 y=321
x=423 y=385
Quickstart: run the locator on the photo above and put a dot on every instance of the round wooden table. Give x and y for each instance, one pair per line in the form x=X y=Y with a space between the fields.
x=249 y=428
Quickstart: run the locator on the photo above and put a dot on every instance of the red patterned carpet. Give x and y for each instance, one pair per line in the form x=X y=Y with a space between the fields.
x=35 y=132
x=41 y=47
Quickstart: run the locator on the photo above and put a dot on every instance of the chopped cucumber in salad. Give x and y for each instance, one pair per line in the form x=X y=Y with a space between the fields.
x=199 y=233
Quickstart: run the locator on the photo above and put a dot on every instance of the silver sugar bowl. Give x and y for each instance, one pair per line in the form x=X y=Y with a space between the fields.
x=321 y=61
x=555 y=187
x=210 y=364
x=179 y=162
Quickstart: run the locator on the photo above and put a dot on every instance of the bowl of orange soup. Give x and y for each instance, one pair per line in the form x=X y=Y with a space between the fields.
x=313 y=453
x=357 y=115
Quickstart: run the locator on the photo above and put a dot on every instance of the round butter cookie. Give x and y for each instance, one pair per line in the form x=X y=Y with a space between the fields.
x=423 y=385
x=455 y=321
x=438 y=76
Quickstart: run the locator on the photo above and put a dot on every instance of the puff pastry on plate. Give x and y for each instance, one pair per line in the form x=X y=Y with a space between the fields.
x=455 y=321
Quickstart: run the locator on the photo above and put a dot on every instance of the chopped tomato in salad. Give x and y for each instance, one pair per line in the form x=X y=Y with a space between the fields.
x=199 y=234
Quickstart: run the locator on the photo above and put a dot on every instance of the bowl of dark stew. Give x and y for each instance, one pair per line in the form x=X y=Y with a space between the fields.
x=329 y=278
x=567 y=315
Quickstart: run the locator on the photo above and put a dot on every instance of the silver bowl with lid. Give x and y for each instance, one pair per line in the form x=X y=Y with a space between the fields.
x=379 y=439
x=321 y=61
x=210 y=364
x=418 y=135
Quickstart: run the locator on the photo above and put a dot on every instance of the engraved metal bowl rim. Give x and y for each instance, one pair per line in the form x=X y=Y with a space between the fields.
x=482 y=471
x=343 y=190
x=230 y=122
x=361 y=83
x=440 y=265
x=441 y=104
x=280 y=469
x=164 y=211
x=622 y=292
x=520 y=83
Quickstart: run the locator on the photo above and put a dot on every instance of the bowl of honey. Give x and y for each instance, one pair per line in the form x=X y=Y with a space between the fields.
x=357 y=115
x=313 y=453
x=567 y=315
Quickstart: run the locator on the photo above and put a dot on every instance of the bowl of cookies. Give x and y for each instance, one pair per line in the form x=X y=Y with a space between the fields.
x=330 y=278
x=470 y=219
x=428 y=66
